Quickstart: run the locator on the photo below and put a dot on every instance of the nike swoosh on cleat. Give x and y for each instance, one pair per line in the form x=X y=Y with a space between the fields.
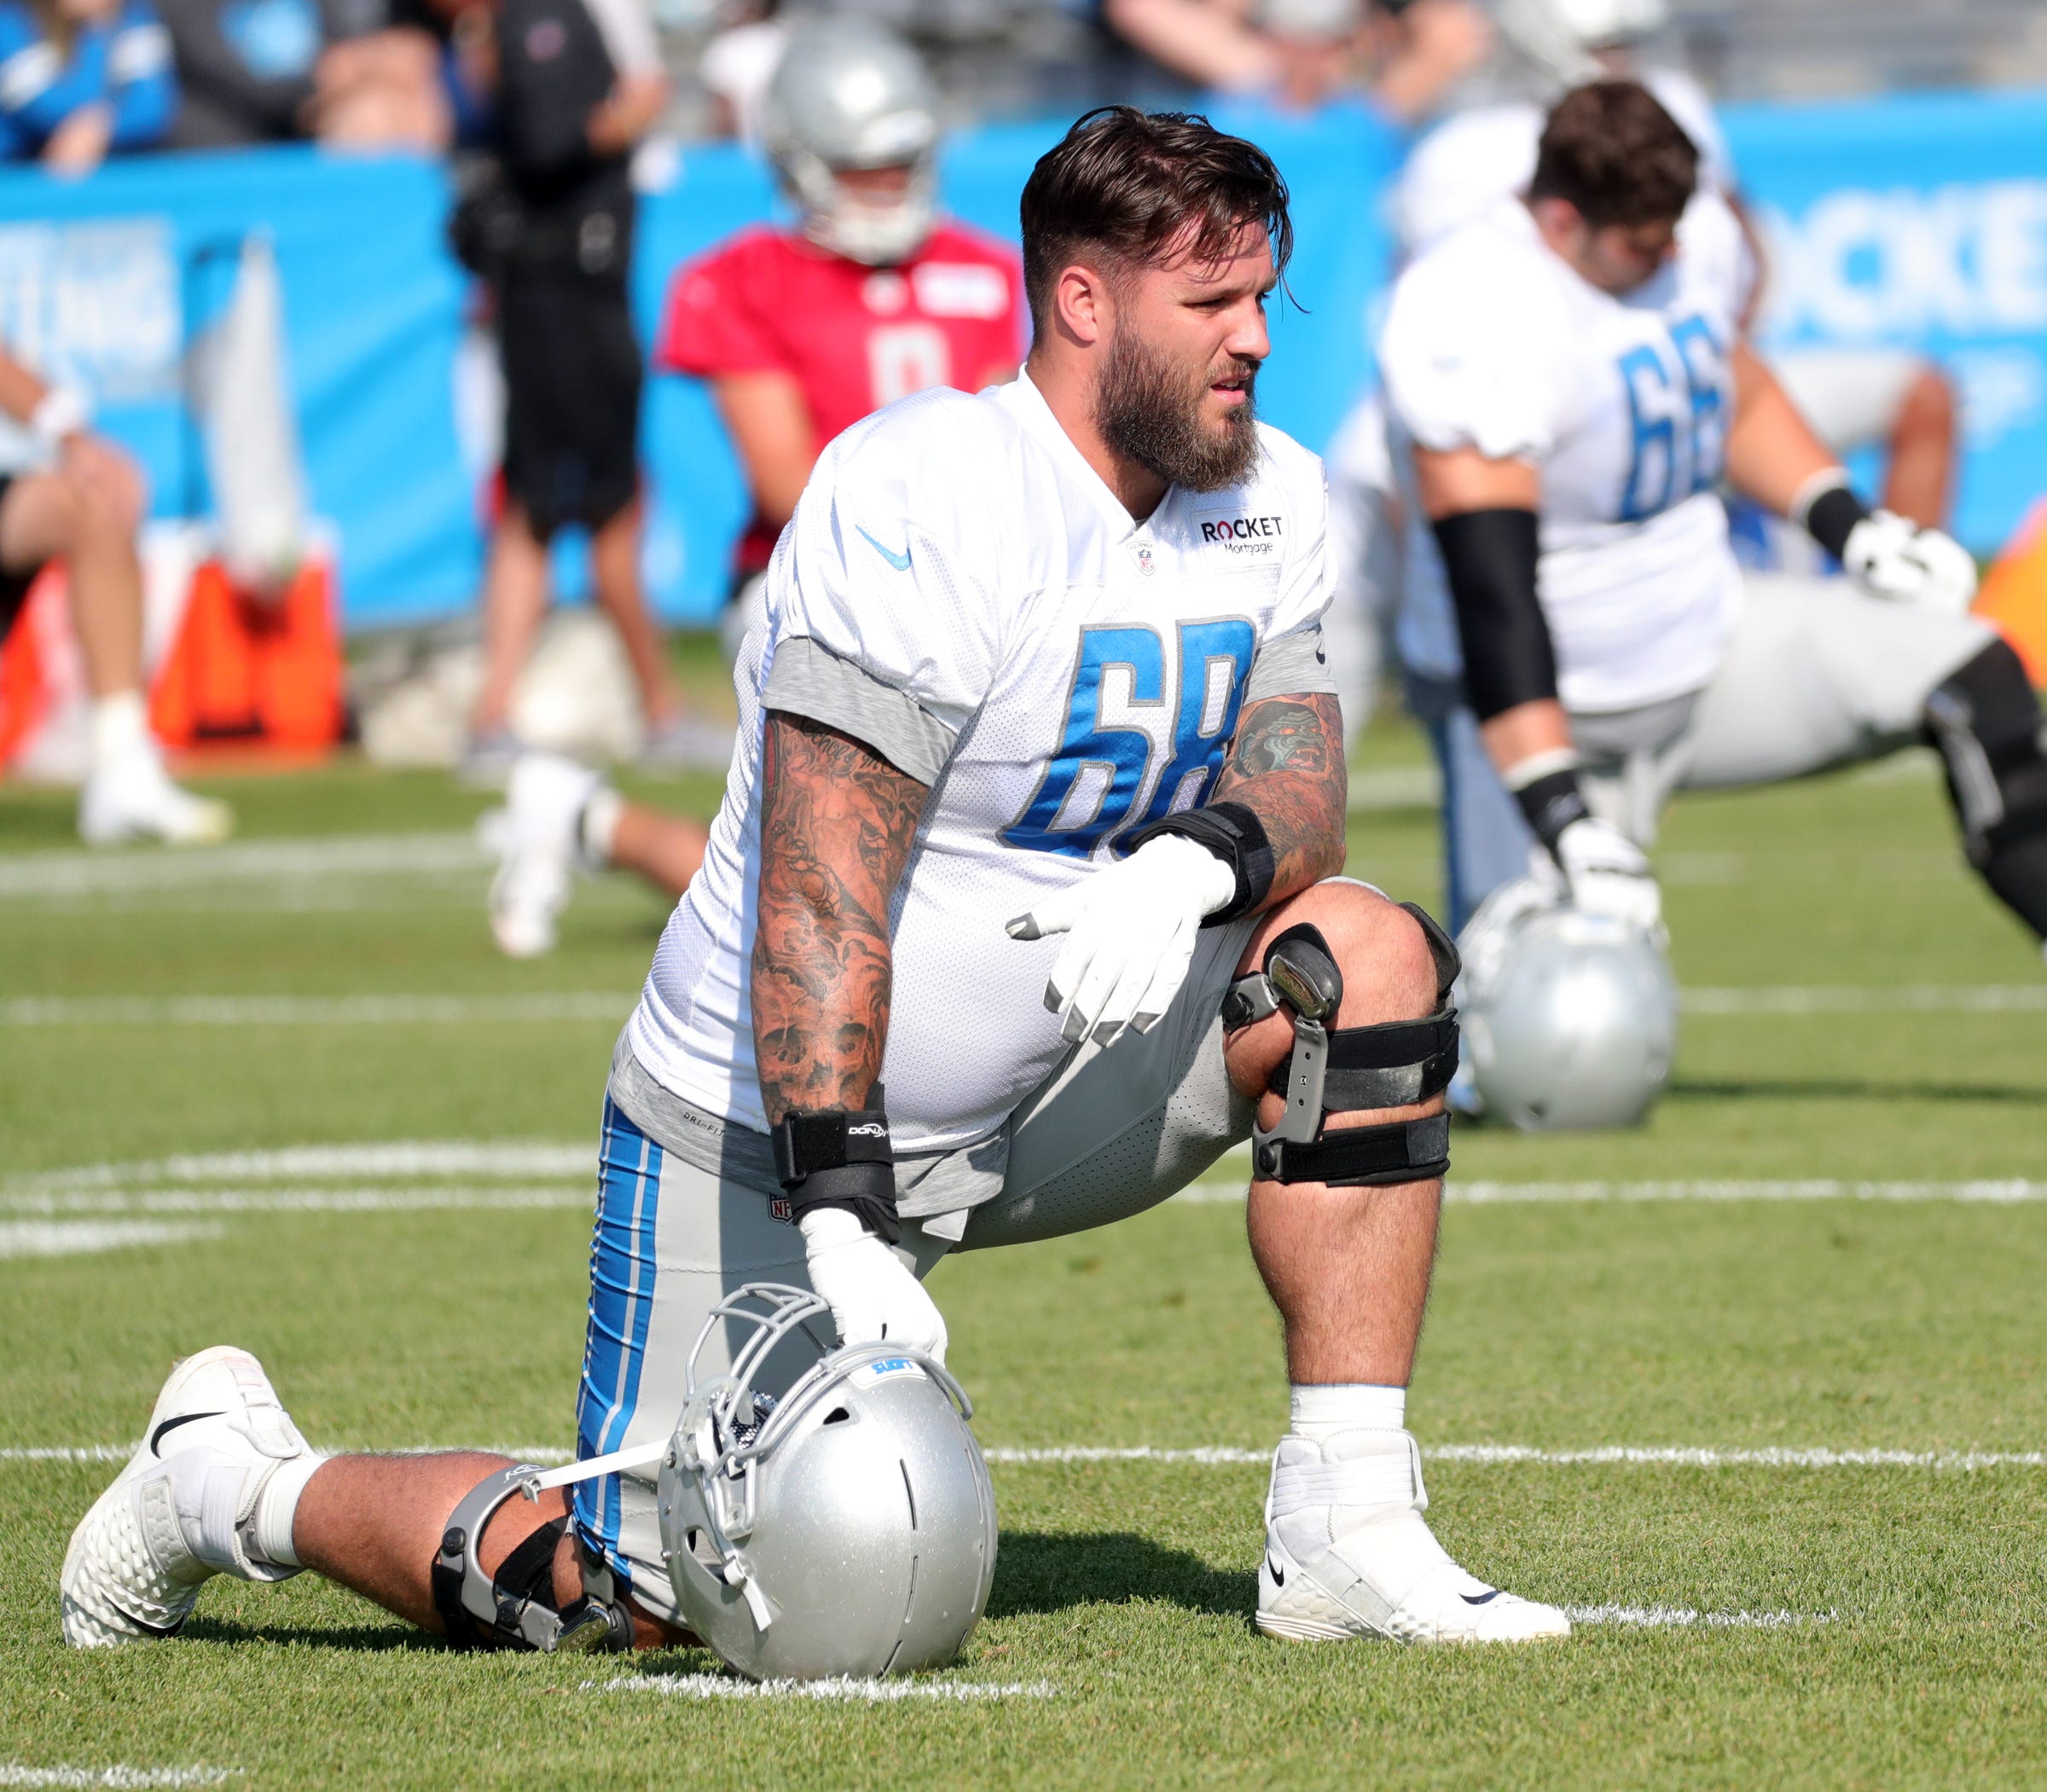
x=172 y=1425
x=901 y=562
x=1272 y=1567
x=1479 y=1598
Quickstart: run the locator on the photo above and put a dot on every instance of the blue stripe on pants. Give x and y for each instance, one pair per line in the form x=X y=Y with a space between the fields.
x=622 y=1306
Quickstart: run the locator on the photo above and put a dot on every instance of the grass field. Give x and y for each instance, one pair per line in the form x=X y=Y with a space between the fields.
x=205 y=1062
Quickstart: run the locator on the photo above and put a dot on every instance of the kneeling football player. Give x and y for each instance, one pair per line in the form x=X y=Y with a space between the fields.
x=1036 y=824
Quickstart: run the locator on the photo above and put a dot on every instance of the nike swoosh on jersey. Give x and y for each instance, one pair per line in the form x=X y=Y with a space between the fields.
x=901 y=562
x=172 y=1425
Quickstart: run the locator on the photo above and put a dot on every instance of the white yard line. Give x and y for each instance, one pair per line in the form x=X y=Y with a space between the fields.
x=1678 y=1617
x=311 y=1011
x=12 y=1773
x=83 y=1237
x=500 y=1157
x=2011 y=1192
x=315 y=858
x=856 y=1691
x=434 y=1197
x=1871 y=998
x=1212 y=1456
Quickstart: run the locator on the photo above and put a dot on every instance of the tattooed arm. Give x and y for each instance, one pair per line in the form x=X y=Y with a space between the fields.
x=836 y=824
x=1287 y=768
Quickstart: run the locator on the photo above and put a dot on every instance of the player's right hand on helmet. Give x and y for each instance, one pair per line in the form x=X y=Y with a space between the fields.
x=1892 y=557
x=873 y=1296
x=1608 y=874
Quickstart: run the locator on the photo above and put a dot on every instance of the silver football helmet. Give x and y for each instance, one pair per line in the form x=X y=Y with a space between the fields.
x=1563 y=36
x=848 y=1528
x=849 y=93
x=1571 y=1020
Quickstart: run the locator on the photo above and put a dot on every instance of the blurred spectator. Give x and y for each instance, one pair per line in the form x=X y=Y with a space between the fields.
x=579 y=84
x=269 y=70
x=81 y=78
x=1403 y=53
x=739 y=61
x=82 y=505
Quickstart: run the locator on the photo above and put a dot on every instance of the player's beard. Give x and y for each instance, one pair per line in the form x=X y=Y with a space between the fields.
x=1149 y=410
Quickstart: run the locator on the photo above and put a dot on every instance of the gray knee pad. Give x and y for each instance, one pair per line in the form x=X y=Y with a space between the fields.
x=1985 y=721
x=515 y=1609
x=1350 y=1070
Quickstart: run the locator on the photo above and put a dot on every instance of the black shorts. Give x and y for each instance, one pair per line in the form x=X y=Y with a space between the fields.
x=572 y=378
x=14 y=582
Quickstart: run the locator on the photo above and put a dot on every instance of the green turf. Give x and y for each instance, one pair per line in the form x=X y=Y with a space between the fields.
x=1124 y=1589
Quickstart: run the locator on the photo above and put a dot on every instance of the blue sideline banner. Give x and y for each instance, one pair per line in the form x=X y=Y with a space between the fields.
x=1920 y=222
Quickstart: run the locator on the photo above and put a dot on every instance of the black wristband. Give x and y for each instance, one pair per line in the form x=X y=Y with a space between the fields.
x=1551 y=803
x=1831 y=518
x=839 y=1157
x=1236 y=836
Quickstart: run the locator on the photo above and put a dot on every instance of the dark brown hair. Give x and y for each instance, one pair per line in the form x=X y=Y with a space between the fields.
x=1612 y=151
x=1128 y=185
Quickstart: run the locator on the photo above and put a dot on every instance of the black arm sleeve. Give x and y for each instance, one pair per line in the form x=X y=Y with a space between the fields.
x=1489 y=557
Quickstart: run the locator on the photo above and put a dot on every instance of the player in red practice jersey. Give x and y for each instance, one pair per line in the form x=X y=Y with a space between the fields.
x=801 y=332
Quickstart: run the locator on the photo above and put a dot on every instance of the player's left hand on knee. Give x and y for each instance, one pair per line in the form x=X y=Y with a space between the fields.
x=871 y=1291
x=1892 y=557
x=1130 y=928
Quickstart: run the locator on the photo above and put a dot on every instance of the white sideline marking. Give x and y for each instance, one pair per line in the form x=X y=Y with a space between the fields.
x=1851 y=999
x=309 y=1011
x=868 y=1691
x=81 y=1237
x=307 y=859
x=1508 y=1194
x=432 y=1198
x=1211 y=1456
x=593 y=1005
x=504 y=1158
x=1678 y=1617
x=12 y=1773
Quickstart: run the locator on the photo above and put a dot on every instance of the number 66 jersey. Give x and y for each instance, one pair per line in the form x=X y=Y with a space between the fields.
x=960 y=591
x=1493 y=342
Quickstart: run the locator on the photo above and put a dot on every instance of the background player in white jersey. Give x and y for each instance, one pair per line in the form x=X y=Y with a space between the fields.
x=1039 y=773
x=1568 y=390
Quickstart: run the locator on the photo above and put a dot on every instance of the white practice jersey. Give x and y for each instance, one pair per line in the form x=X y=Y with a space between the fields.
x=1492 y=342
x=959 y=589
x=1464 y=167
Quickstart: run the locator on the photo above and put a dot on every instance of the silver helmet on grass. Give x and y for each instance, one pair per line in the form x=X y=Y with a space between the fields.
x=1571 y=1020
x=847 y=1527
x=848 y=95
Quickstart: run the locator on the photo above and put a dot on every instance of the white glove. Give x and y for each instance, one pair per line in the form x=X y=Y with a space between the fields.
x=1608 y=875
x=1892 y=557
x=872 y=1295
x=1130 y=933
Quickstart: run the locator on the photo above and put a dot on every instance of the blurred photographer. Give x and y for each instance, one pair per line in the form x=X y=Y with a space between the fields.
x=551 y=229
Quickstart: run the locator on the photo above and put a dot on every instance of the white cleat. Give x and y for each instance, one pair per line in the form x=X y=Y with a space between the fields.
x=135 y=799
x=1349 y=1554
x=536 y=837
x=181 y=1511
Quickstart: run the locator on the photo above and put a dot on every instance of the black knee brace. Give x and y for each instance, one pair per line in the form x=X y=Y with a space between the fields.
x=1985 y=721
x=1349 y=1071
x=514 y=1608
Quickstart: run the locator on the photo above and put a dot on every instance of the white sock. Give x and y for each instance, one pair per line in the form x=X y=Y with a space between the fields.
x=598 y=826
x=277 y=1506
x=1321 y=1409
x=120 y=727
